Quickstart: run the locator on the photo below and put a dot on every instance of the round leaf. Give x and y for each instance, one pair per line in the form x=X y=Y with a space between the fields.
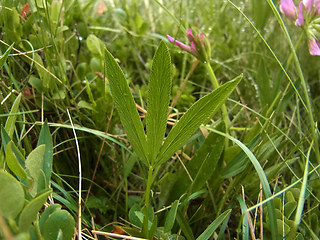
x=60 y=224
x=11 y=195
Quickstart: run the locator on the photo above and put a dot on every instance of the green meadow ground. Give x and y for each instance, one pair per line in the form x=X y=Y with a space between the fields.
x=249 y=172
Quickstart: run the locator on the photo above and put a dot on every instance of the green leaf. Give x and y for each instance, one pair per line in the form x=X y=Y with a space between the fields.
x=84 y=104
x=66 y=199
x=60 y=223
x=45 y=138
x=46 y=80
x=185 y=226
x=30 y=211
x=263 y=179
x=261 y=13
x=289 y=208
x=11 y=121
x=133 y=216
x=36 y=83
x=34 y=164
x=11 y=196
x=245 y=221
x=153 y=228
x=158 y=99
x=95 y=45
x=126 y=107
x=239 y=162
x=204 y=163
x=214 y=225
x=13 y=163
x=4 y=57
x=200 y=112
x=46 y=214
x=4 y=138
x=170 y=219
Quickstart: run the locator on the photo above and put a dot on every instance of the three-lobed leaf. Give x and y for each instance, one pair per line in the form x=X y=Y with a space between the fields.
x=150 y=150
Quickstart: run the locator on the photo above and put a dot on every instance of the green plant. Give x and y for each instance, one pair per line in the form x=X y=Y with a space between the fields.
x=25 y=188
x=149 y=148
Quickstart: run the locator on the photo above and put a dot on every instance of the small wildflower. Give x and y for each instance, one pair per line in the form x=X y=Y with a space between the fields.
x=199 y=45
x=306 y=16
x=288 y=8
x=308 y=4
x=300 y=20
x=314 y=47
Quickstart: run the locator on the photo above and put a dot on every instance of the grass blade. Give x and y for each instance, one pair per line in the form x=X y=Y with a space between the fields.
x=302 y=198
x=4 y=57
x=11 y=121
x=264 y=182
x=245 y=222
x=170 y=219
x=214 y=225
x=184 y=225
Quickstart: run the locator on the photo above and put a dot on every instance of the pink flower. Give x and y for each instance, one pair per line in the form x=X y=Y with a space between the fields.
x=314 y=47
x=308 y=4
x=300 y=20
x=181 y=45
x=309 y=8
x=199 y=45
x=288 y=8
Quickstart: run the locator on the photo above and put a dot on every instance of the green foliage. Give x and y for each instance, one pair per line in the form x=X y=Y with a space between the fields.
x=126 y=107
x=4 y=56
x=11 y=196
x=21 y=201
x=200 y=112
x=158 y=100
x=11 y=120
x=30 y=211
x=45 y=140
x=157 y=153
x=214 y=225
x=34 y=167
x=59 y=225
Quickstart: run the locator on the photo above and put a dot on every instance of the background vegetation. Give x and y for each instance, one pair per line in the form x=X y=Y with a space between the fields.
x=53 y=69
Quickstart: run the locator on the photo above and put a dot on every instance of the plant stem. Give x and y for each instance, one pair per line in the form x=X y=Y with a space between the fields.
x=303 y=81
x=215 y=85
x=146 y=202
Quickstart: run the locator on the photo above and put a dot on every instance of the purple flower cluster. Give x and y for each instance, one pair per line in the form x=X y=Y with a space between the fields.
x=199 y=46
x=305 y=14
